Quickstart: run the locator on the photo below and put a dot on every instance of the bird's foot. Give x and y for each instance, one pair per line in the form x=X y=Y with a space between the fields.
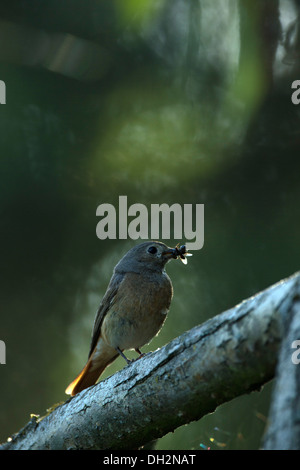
x=140 y=354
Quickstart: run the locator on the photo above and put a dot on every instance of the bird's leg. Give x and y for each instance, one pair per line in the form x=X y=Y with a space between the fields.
x=128 y=360
x=140 y=353
x=123 y=355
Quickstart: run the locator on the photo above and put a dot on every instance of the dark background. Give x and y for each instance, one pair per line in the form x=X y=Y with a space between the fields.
x=163 y=101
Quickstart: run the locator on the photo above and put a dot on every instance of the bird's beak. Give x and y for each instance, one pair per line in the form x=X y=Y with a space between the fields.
x=169 y=253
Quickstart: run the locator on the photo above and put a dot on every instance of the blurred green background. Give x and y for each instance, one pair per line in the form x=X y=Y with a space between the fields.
x=163 y=101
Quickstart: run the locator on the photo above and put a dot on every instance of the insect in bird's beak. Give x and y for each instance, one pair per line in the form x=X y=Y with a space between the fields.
x=182 y=252
x=178 y=252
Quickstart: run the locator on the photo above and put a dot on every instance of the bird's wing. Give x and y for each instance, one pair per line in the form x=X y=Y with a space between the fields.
x=107 y=301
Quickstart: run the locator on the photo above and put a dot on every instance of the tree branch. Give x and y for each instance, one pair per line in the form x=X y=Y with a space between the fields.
x=283 y=431
x=230 y=354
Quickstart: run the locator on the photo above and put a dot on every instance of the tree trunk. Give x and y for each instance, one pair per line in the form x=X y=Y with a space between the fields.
x=283 y=431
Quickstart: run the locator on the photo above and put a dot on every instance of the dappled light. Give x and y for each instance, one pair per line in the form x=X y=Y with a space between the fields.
x=163 y=101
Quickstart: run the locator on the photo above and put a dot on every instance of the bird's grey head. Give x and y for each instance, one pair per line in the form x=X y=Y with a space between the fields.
x=147 y=256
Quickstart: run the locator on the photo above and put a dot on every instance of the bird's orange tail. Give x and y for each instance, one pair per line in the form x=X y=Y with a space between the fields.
x=91 y=372
x=86 y=378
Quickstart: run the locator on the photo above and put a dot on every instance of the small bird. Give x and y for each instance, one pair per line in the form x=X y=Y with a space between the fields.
x=132 y=310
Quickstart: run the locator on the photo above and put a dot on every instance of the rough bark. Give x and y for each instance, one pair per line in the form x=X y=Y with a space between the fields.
x=283 y=432
x=230 y=354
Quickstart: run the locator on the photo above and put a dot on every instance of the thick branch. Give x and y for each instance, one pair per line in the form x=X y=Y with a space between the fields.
x=229 y=355
x=283 y=432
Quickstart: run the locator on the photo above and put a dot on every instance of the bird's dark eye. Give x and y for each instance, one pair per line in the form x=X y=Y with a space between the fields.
x=152 y=250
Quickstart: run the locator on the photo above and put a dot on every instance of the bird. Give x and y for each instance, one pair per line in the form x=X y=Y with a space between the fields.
x=133 y=309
